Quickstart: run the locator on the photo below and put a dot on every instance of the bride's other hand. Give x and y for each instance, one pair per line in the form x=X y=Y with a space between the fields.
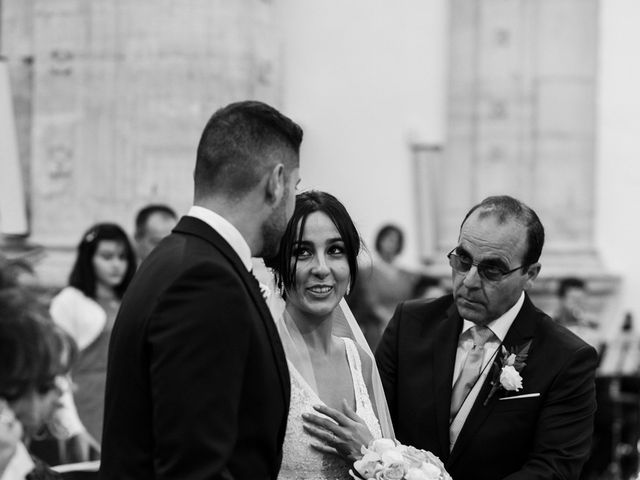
x=343 y=434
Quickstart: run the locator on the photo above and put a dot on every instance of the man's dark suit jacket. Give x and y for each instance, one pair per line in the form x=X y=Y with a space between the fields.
x=543 y=437
x=197 y=381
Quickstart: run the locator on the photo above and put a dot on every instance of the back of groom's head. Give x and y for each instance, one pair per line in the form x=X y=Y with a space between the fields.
x=240 y=143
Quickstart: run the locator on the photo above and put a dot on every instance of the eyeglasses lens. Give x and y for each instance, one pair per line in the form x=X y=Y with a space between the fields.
x=463 y=265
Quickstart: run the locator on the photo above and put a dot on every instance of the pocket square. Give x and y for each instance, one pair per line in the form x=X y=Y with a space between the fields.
x=518 y=397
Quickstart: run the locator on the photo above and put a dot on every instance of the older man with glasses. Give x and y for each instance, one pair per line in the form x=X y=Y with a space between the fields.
x=482 y=378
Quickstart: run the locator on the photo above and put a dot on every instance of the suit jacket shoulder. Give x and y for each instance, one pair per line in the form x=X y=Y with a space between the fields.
x=422 y=313
x=197 y=382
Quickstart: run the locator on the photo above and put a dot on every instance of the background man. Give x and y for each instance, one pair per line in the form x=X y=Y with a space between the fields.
x=574 y=313
x=438 y=360
x=197 y=381
x=153 y=223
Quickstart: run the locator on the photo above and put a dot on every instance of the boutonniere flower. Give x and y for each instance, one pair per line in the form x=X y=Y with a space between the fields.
x=510 y=363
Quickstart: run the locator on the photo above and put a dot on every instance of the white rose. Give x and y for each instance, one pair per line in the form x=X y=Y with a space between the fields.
x=391 y=472
x=392 y=456
x=381 y=445
x=431 y=471
x=414 y=457
x=510 y=379
x=365 y=467
x=416 y=474
x=370 y=456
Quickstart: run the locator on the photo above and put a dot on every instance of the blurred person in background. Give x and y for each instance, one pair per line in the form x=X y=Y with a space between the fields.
x=65 y=440
x=153 y=223
x=573 y=311
x=383 y=285
x=35 y=356
x=86 y=309
x=15 y=272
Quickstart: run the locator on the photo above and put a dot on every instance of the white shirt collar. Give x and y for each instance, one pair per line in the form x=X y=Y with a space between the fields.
x=501 y=325
x=226 y=231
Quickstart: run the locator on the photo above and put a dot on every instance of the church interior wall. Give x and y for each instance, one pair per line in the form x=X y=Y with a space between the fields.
x=365 y=84
x=618 y=154
x=368 y=80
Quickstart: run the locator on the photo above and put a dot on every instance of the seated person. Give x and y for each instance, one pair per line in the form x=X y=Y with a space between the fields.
x=35 y=356
x=153 y=223
x=383 y=285
x=573 y=313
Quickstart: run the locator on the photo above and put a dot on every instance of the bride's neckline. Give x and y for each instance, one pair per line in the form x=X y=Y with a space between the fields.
x=305 y=385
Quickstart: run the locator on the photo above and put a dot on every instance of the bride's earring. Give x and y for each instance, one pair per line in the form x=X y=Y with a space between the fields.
x=348 y=289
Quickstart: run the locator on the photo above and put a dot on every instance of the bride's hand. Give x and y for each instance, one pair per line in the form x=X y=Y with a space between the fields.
x=342 y=433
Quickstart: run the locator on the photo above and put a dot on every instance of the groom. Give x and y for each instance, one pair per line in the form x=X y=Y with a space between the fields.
x=441 y=361
x=197 y=381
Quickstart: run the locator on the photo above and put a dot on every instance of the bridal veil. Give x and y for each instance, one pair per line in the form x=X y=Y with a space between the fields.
x=344 y=325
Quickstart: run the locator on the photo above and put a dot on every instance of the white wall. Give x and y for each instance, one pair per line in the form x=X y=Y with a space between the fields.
x=362 y=77
x=618 y=174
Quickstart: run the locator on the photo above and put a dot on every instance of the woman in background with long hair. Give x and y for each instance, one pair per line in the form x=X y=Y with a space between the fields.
x=87 y=308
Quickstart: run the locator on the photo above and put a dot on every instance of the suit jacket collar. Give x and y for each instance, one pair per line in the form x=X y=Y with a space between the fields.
x=194 y=226
x=226 y=230
x=521 y=331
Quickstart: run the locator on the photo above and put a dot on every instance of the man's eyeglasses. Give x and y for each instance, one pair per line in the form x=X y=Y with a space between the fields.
x=489 y=272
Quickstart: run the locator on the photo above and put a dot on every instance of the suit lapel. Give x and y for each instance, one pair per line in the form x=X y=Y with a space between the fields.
x=194 y=226
x=521 y=331
x=445 y=344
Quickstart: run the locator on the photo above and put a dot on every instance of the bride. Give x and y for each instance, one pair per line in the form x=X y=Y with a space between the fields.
x=331 y=367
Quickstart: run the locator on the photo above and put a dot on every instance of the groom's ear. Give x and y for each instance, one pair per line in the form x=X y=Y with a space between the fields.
x=275 y=186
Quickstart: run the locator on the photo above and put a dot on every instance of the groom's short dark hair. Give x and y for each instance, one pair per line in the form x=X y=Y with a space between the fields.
x=239 y=144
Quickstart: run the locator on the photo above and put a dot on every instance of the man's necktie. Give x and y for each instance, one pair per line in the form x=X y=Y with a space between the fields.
x=471 y=368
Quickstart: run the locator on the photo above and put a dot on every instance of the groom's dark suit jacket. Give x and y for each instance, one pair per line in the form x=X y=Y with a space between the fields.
x=541 y=437
x=197 y=382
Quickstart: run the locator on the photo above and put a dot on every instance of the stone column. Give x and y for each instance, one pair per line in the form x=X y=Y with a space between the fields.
x=16 y=47
x=521 y=121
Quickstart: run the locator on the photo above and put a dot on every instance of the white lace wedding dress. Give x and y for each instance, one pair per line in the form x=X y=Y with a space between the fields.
x=300 y=461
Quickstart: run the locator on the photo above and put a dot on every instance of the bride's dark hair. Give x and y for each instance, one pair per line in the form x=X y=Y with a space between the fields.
x=306 y=204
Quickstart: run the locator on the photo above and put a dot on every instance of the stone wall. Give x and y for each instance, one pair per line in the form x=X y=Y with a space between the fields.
x=522 y=121
x=111 y=98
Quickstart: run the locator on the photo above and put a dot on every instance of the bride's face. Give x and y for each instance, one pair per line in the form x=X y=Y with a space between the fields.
x=322 y=270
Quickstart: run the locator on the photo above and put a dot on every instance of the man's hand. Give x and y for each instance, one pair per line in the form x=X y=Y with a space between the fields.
x=342 y=434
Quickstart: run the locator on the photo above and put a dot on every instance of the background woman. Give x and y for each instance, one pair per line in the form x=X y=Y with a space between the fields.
x=329 y=361
x=87 y=308
x=35 y=356
x=383 y=285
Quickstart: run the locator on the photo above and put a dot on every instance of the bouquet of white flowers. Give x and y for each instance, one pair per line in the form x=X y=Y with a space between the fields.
x=387 y=459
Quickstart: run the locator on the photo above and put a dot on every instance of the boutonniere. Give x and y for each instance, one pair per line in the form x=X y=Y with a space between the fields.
x=510 y=363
